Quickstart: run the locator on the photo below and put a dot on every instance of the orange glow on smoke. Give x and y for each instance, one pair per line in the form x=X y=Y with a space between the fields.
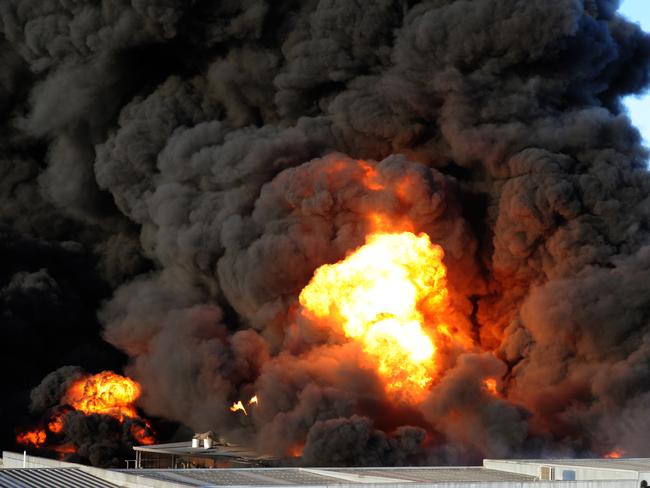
x=238 y=406
x=105 y=393
x=371 y=178
x=296 y=451
x=55 y=425
x=35 y=438
x=615 y=454
x=491 y=385
x=379 y=295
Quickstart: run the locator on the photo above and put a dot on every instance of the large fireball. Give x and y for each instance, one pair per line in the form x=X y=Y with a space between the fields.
x=378 y=295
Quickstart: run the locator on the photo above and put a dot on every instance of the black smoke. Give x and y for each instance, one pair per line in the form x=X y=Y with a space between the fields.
x=174 y=172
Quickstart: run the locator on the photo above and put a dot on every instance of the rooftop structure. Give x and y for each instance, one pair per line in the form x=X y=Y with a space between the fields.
x=183 y=455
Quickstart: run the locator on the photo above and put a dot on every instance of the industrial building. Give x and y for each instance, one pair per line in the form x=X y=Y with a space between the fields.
x=21 y=471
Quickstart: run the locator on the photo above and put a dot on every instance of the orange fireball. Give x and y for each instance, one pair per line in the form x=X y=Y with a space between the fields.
x=378 y=295
x=105 y=393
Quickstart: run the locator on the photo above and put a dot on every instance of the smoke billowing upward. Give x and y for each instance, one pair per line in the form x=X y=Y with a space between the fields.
x=173 y=173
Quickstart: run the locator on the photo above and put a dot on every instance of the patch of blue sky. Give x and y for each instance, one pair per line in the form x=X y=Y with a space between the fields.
x=639 y=106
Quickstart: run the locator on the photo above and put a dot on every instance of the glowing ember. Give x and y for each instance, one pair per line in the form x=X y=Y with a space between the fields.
x=379 y=295
x=238 y=406
x=34 y=438
x=105 y=393
x=254 y=400
x=615 y=454
x=491 y=385
x=55 y=424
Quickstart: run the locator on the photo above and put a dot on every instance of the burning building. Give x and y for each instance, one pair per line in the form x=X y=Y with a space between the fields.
x=414 y=232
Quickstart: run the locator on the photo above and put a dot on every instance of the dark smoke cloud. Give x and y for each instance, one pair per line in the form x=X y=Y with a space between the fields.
x=177 y=171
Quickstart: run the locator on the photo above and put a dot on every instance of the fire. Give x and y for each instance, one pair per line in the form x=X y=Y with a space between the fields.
x=55 y=425
x=142 y=434
x=105 y=393
x=64 y=449
x=380 y=295
x=238 y=406
x=615 y=454
x=34 y=438
x=108 y=393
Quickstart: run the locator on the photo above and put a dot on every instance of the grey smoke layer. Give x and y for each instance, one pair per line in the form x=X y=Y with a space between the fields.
x=203 y=156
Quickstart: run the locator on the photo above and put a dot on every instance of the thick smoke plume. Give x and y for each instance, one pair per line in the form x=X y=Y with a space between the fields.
x=174 y=172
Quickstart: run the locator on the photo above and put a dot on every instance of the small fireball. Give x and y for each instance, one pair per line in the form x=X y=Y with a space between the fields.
x=35 y=438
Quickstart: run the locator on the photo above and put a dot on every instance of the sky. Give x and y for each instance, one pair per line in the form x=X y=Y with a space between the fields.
x=639 y=107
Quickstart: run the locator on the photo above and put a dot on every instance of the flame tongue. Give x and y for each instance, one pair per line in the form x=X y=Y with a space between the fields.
x=238 y=406
x=377 y=294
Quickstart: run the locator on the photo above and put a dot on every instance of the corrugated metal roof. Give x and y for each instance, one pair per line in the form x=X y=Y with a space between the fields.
x=50 y=478
x=328 y=476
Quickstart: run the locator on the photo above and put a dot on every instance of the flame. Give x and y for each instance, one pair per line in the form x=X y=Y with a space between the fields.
x=379 y=294
x=142 y=433
x=254 y=400
x=63 y=449
x=490 y=385
x=238 y=406
x=105 y=393
x=55 y=425
x=614 y=454
x=34 y=438
x=108 y=393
